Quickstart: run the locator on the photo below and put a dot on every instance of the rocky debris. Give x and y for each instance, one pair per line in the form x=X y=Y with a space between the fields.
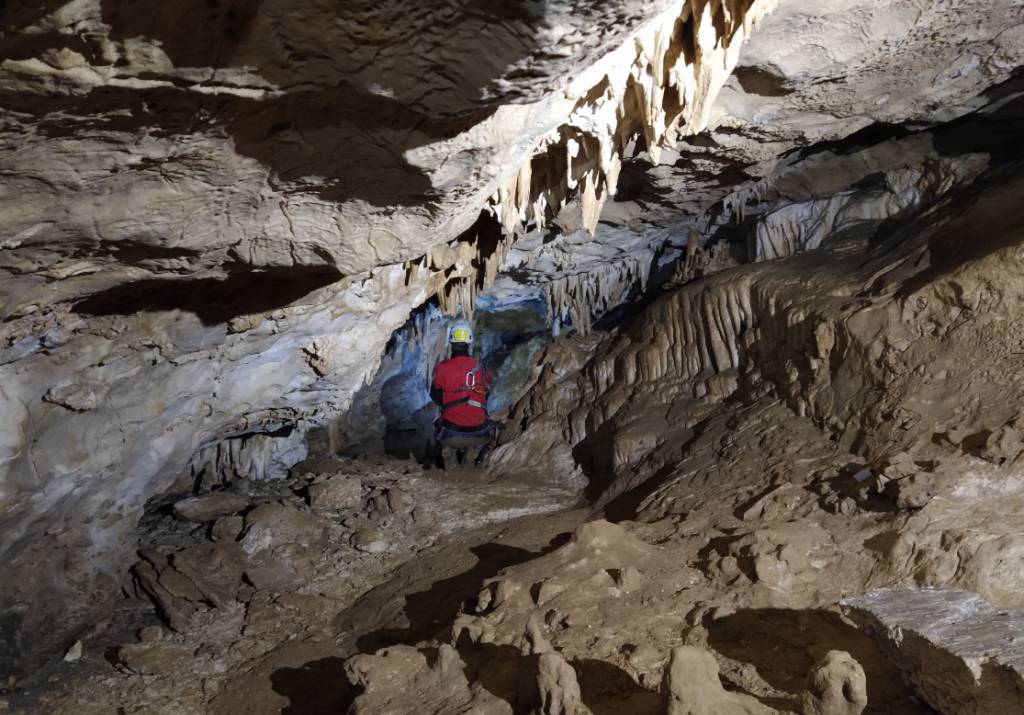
x=76 y=396
x=692 y=687
x=173 y=594
x=282 y=545
x=74 y=653
x=585 y=570
x=209 y=507
x=227 y=528
x=781 y=557
x=202 y=574
x=839 y=687
x=961 y=655
x=402 y=680
x=371 y=540
x=339 y=493
x=1005 y=443
x=154 y=658
x=215 y=569
x=270 y=526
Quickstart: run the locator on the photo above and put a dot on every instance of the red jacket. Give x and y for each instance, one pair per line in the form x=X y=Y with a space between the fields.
x=457 y=382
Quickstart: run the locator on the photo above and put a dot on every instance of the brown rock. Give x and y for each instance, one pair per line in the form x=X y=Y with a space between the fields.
x=274 y=574
x=337 y=494
x=209 y=507
x=371 y=540
x=271 y=525
x=558 y=688
x=147 y=582
x=151 y=634
x=401 y=680
x=692 y=687
x=154 y=658
x=227 y=528
x=215 y=569
x=839 y=687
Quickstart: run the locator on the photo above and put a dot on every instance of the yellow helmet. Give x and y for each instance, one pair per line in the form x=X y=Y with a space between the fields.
x=460 y=332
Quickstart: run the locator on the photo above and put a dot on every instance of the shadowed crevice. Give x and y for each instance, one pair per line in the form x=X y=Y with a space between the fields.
x=213 y=301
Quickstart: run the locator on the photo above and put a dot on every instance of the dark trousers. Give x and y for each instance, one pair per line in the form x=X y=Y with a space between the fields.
x=456 y=437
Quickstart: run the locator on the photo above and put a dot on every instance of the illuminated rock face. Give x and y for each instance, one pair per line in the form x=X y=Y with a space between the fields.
x=961 y=654
x=213 y=216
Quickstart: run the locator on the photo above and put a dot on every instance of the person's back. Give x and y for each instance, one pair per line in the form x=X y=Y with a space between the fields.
x=461 y=383
x=459 y=387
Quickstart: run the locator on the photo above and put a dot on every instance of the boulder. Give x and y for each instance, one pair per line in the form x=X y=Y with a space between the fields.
x=209 y=507
x=271 y=525
x=961 y=655
x=227 y=528
x=215 y=569
x=336 y=494
x=371 y=540
x=175 y=609
x=154 y=658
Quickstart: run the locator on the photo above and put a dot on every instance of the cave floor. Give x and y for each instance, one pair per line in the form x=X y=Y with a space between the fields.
x=284 y=652
x=615 y=601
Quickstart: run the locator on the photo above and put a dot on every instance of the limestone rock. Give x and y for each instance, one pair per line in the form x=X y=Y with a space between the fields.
x=151 y=634
x=336 y=494
x=218 y=220
x=281 y=545
x=74 y=653
x=76 y=396
x=402 y=680
x=839 y=687
x=154 y=658
x=961 y=655
x=215 y=569
x=227 y=528
x=275 y=574
x=208 y=507
x=558 y=687
x=692 y=687
x=272 y=525
x=371 y=540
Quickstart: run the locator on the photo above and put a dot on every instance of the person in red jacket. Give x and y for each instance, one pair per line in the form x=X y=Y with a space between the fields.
x=459 y=387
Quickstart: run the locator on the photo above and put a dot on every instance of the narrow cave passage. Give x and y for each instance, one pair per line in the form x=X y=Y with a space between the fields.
x=744 y=279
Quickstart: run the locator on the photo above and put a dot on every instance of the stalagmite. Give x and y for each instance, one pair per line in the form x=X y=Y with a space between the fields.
x=692 y=687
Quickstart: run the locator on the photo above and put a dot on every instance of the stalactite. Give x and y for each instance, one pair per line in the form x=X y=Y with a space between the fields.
x=660 y=86
x=578 y=298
